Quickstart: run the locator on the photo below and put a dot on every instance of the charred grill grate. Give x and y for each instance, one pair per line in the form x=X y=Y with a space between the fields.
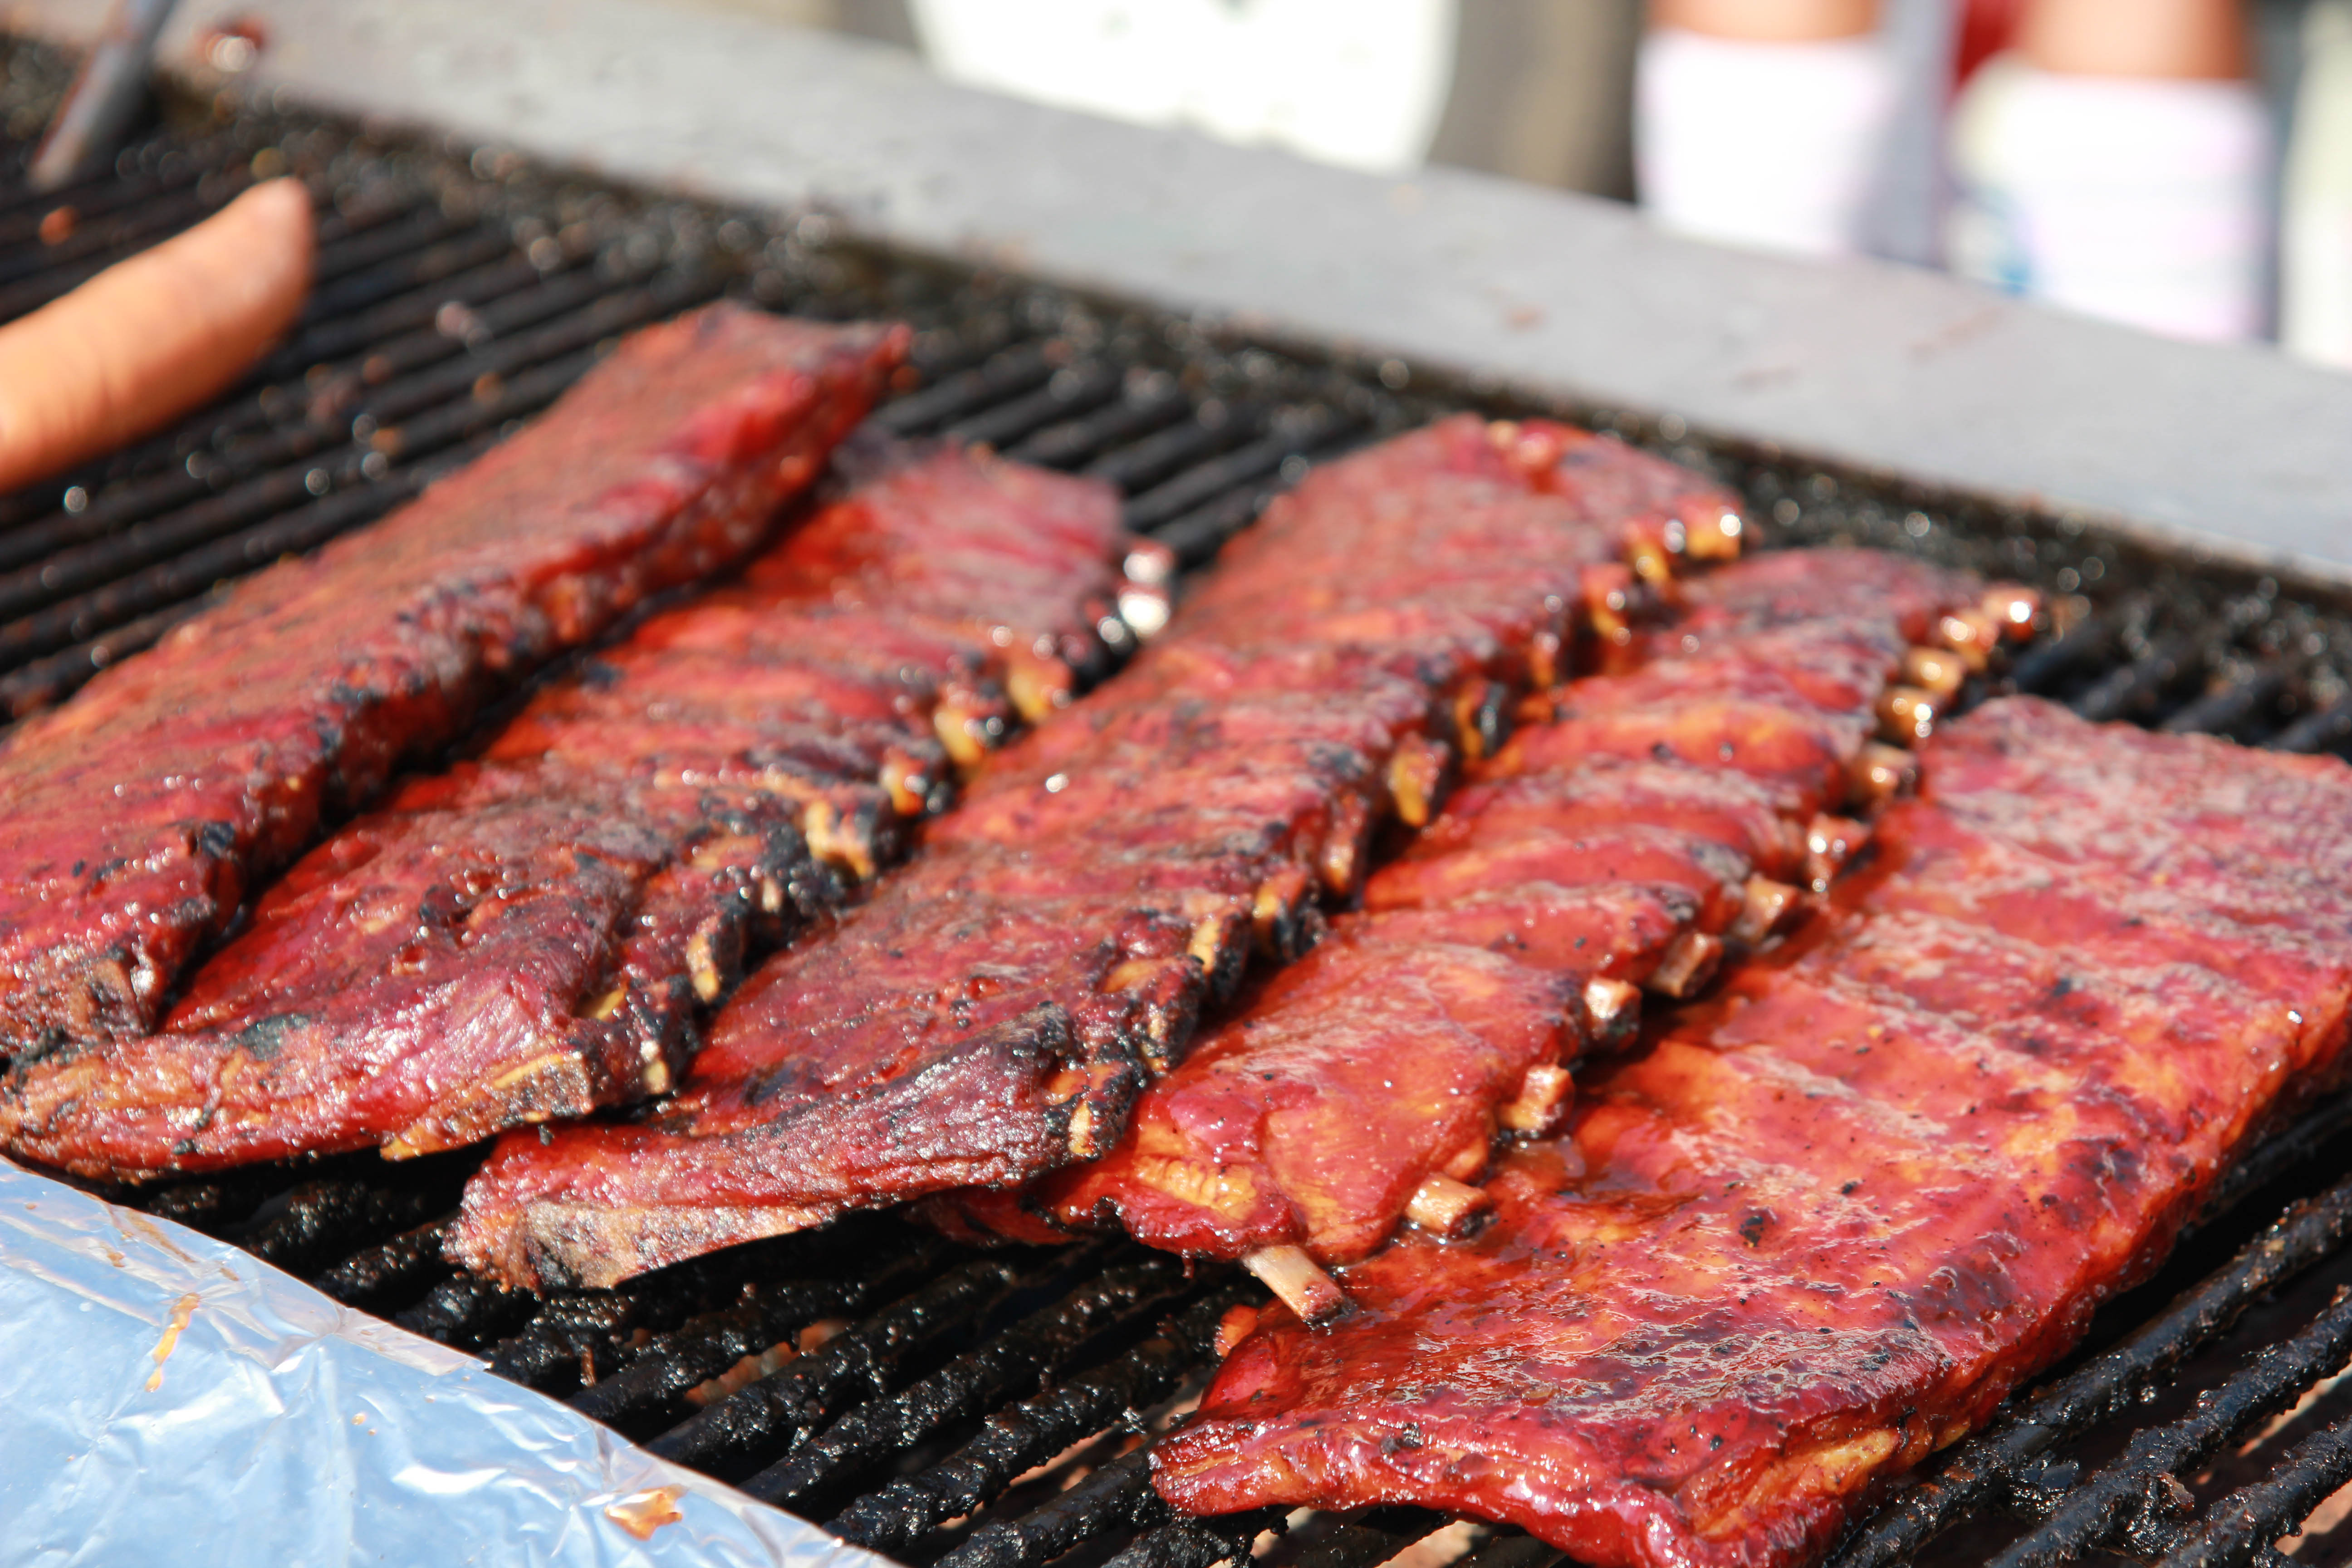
x=992 y=1410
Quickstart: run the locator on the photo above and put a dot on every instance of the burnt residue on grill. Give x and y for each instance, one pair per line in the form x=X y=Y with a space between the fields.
x=994 y=1409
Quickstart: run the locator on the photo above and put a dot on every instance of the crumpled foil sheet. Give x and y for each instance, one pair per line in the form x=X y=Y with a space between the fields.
x=165 y=1398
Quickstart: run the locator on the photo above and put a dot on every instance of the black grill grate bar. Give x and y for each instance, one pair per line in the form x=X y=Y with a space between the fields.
x=450 y=325
x=1070 y=390
x=2328 y=730
x=89 y=247
x=575 y=1332
x=1289 y=438
x=616 y=1328
x=181 y=586
x=736 y=1435
x=420 y=415
x=2279 y=1155
x=1009 y=1365
x=322 y=399
x=940 y=351
x=1149 y=401
x=402 y=1269
x=466 y=1312
x=1214 y=427
x=45 y=682
x=1198 y=1542
x=2107 y=1501
x=347 y=269
x=1513 y=1551
x=2237 y=711
x=2041 y=671
x=258 y=502
x=1197 y=535
x=1983 y=1465
x=2239 y=1528
x=1028 y=1434
x=329 y=341
x=1007 y=373
x=323 y=1218
x=649 y=1392
x=2137 y=691
x=1116 y=1495
x=1368 y=1542
x=585 y=321
x=409 y=266
x=23 y=214
x=191 y=458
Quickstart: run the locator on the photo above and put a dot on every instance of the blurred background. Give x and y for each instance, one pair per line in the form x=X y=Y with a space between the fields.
x=2182 y=165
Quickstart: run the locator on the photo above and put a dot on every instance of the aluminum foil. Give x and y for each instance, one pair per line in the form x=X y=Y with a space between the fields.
x=165 y=1398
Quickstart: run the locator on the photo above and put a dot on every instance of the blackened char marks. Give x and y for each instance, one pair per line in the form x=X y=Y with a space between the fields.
x=1828 y=1221
x=137 y=818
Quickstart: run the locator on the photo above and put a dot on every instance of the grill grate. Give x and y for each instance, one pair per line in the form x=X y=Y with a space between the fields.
x=992 y=1410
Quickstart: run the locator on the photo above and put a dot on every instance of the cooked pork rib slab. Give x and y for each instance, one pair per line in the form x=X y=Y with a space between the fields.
x=138 y=817
x=1828 y=1221
x=1391 y=1054
x=535 y=934
x=990 y=1015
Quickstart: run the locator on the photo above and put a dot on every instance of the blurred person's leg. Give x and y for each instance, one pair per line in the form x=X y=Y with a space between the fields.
x=1763 y=122
x=1543 y=91
x=2117 y=163
x=1356 y=82
x=2315 y=198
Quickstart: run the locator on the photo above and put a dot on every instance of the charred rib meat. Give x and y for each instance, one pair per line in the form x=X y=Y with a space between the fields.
x=1824 y=1224
x=1376 y=1073
x=991 y=1014
x=534 y=934
x=136 y=818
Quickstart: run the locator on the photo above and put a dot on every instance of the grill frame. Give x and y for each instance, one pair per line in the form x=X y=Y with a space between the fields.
x=1200 y=424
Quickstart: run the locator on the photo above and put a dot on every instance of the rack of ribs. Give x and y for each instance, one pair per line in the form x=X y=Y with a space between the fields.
x=1649 y=815
x=1824 y=1223
x=991 y=1013
x=535 y=932
x=137 y=818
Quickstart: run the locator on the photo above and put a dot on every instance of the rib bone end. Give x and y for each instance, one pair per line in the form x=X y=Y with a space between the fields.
x=1298 y=1281
x=1233 y=1328
x=1149 y=563
x=1690 y=962
x=1907 y=714
x=1830 y=843
x=2013 y=607
x=1145 y=609
x=1882 y=772
x=1769 y=907
x=834 y=837
x=1650 y=561
x=1610 y=595
x=1709 y=535
x=1417 y=775
x=1615 y=1008
x=1542 y=1099
x=1935 y=670
x=1971 y=634
x=1444 y=1206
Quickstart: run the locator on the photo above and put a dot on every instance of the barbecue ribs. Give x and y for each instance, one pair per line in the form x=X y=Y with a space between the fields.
x=990 y=1015
x=534 y=934
x=1319 y=1114
x=1821 y=1226
x=136 y=818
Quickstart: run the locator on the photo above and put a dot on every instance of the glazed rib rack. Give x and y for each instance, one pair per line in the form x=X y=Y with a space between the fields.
x=946 y=1405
